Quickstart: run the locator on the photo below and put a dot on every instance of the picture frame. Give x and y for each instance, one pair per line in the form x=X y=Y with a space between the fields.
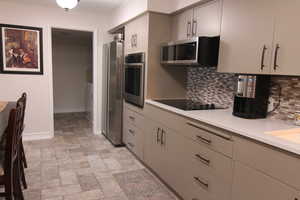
x=21 y=50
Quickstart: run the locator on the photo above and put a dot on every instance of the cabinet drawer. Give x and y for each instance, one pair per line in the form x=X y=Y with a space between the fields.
x=216 y=163
x=250 y=184
x=200 y=183
x=134 y=140
x=275 y=163
x=133 y=118
x=210 y=137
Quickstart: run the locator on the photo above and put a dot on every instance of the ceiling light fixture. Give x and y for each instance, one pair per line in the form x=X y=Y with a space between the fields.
x=67 y=4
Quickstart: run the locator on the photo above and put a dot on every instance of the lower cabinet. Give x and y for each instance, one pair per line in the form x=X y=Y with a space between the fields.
x=194 y=171
x=207 y=174
x=249 y=184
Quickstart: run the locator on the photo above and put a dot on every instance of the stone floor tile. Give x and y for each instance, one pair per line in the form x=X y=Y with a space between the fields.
x=68 y=177
x=88 y=182
x=87 y=195
x=61 y=191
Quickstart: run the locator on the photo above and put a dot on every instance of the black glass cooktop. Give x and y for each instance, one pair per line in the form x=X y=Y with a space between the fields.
x=189 y=105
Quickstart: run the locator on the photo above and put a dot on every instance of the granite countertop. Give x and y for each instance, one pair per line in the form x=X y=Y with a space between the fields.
x=254 y=129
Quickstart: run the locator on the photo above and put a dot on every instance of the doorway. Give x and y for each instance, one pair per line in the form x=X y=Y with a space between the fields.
x=73 y=87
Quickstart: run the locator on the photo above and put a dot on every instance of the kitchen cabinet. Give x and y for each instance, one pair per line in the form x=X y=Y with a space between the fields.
x=208 y=174
x=260 y=37
x=246 y=36
x=182 y=25
x=155 y=149
x=173 y=148
x=284 y=166
x=203 y=20
x=133 y=132
x=250 y=184
x=207 y=19
x=136 y=35
x=286 y=38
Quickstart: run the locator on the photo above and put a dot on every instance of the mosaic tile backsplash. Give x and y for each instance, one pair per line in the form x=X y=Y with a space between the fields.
x=290 y=97
x=206 y=85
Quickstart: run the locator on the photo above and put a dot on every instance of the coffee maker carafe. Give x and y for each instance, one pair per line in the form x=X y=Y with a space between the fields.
x=251 y=97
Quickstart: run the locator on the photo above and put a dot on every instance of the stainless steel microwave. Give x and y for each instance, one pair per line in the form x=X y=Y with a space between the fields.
x=135 y=79
x=197 y=51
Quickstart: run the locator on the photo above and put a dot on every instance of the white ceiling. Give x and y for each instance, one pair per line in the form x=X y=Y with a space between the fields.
x=90 y=5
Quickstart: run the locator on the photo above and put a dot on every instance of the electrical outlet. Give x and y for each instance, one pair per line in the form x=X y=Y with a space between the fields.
x=271 y=105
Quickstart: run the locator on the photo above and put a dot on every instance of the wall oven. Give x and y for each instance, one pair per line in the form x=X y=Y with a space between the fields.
x=197 y=51
x=135 y=79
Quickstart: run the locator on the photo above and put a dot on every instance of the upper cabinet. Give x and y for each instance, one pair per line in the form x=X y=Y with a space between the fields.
x=286 y=41
x=136 y=35
x=207 y=19
x=259 y=37
x=203 y=20
x=182 y=25
x=246 y=36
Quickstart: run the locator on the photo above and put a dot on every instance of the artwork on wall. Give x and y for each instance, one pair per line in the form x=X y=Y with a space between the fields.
x=21 y=49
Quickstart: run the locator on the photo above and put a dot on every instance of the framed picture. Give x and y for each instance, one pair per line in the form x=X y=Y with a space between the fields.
x=21 y=49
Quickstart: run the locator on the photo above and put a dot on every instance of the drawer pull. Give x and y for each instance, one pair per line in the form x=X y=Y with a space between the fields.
x=132 y=118
x=130 y=144
x=204 y=140
x=131 y=131
x=203 y=183
x=204 y=160
x=216 y=133
x=157 y=135
x=162 y=142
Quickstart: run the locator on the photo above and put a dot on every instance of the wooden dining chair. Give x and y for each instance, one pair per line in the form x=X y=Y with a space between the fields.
x=9 y=161
x=22 y=102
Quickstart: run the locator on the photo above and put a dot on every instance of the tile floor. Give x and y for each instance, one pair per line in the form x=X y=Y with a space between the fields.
x=78 y=165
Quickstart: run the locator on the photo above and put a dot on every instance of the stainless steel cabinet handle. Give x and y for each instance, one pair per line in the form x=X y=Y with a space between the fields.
x=157 y=135
x=276 y=57
x=132 y=118
x=189 y=29
x=204 y=140
x=131 y=131
x=194 y=28
x=130 y=144
x=262 y=66
x=162 y=137
x=201 y=182
x=217 y=133
x=202 y=159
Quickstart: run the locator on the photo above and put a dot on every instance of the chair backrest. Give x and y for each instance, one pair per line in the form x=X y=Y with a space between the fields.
x=13 y=131
x=23 y=101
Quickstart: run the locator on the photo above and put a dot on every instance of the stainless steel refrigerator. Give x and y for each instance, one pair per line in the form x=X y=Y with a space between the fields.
x=112 y=107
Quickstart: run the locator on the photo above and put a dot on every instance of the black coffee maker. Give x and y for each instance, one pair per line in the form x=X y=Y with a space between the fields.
x=252 y=96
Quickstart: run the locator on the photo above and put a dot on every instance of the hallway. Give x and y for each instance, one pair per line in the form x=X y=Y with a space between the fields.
x=78 y=165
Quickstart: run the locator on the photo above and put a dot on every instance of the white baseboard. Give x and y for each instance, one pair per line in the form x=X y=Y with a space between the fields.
x=37 y=136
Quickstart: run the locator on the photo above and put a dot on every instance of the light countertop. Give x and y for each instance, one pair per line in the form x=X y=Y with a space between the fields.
x=255 y=129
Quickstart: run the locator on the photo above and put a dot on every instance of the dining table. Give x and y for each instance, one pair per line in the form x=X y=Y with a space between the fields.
x=5 y=108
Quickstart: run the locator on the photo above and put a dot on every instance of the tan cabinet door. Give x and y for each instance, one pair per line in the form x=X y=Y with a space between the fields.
x=128 y=39
x=250 y=184
x=153 y=151
x=182 y=25
x=247 y=27
x=173 y=165
x=286 y=42
x=207 y=19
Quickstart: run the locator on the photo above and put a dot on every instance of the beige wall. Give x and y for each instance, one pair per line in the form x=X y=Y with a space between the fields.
x=71 y=62
x=39 y=119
